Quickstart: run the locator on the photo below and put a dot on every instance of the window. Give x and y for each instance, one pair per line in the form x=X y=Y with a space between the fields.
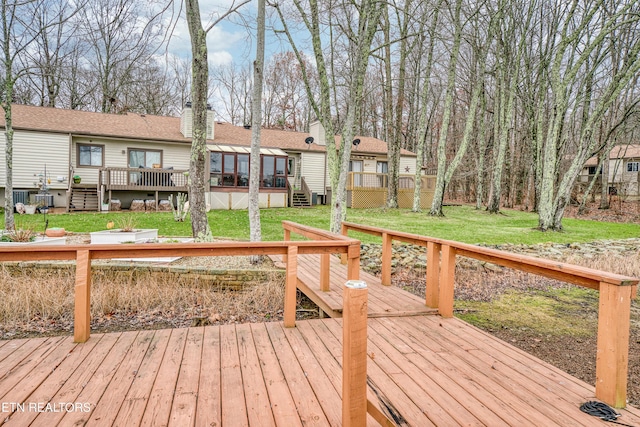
x=291 y=166
x=144 y=158
x=592 y=170
x=229 y=170
x=90 y=155
x=274 y=172
x=382 y=167
x=633 y=166
x=232 y=170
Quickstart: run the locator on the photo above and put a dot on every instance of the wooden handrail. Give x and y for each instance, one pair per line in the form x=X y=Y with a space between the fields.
x=83 y=254
x=326 y=243
x=570 y=273
x=351 y=256
x=616 y=293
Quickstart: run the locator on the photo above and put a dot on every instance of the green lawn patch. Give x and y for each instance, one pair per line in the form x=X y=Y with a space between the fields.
x=460 y=223
x=555 y=312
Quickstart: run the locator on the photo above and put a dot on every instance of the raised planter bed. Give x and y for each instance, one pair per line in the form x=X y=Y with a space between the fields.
x=119 y=236
x=159 y=259
x=40 y=240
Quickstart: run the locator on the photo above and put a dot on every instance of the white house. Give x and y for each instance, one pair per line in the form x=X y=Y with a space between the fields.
x=623 y=170
x=135 y=156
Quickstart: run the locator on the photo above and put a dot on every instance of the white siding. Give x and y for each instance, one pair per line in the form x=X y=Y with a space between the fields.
x=31 y=152
x=116 y=155
x=313 y=171
x=407 y=162
x=369 y=165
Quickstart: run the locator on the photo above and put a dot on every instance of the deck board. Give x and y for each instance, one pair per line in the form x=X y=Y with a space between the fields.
x=161 y=396
x=183 y=409
x=132 y=409
x=429 y=370
x=423 y=370
x=384 y=301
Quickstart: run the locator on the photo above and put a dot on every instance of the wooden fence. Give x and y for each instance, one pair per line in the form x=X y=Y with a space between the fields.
x=616 y=293
x=326 y=243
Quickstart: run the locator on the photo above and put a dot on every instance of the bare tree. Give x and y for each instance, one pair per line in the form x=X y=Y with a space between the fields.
x=355 y=26
x=233 y=89
x=424 y=115
x=508 y=65
x=52 y=50
x=19 y=29
x=256 y=116
x=200 y=77
x=285 y=104
x=578 y=57
x=121 y=34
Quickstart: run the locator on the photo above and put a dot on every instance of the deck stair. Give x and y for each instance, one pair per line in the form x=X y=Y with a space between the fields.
x=300 y=199
x=82 y=198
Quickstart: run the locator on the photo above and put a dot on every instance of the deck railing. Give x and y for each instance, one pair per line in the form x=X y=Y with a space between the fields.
x=143 y=179
x=324 y=243
x=616 y=293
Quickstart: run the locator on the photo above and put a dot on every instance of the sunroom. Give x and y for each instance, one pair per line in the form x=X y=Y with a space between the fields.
x=229 y=168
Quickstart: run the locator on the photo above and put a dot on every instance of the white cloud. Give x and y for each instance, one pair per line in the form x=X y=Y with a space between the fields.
x=226 y=42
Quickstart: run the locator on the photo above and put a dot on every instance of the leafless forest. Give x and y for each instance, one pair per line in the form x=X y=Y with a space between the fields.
x=504 y=100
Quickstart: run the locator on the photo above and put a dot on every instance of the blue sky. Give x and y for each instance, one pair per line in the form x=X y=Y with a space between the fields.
x=229 y=41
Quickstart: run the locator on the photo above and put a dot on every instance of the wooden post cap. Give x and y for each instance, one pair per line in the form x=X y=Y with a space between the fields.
x=356 y=284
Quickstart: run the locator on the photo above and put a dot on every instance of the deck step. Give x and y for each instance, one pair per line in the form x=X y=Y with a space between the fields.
x=83 y=199
x=299 y=200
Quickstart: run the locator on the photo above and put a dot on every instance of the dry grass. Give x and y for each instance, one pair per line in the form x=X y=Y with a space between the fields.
x=45 y=297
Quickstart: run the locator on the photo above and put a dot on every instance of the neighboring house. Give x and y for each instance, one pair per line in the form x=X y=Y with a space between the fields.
x=623 y=171
x=128 y=157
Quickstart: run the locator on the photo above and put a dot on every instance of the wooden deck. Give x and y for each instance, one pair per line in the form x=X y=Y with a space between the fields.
x=384 y=301
x=429 y=370
x=423 y=369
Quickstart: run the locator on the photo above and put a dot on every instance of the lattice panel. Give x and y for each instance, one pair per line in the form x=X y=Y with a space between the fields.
x=367 y=198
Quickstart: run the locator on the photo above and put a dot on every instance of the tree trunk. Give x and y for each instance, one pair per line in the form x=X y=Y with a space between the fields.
x=480 y=164
x=9 y=222
x=6 y=100
x=424 y=114
x=441 y=184
x=199 y=85
x=604 y=187
x=256 y=115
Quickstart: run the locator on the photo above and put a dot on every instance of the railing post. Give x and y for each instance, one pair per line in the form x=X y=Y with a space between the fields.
x=612 y=355
x=353 y=263
x=287 y=237
x=82 y=303
x=290 y=287
x=344 y=230
x=433 y=273
x=386 y=258
x=354 y=354
x=325 y=270
x=447 y=278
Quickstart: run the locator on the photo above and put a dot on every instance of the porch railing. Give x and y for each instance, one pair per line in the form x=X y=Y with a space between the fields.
x=362 y=180
x=354 y=376
x=616 y=293
x=143 y=179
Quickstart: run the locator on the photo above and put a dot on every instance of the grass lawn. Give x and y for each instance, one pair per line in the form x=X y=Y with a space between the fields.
x=460 y=223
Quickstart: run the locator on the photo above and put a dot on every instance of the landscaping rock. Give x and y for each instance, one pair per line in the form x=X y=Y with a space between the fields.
x=137 y=206
x=115 y=205
x=164 y=206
